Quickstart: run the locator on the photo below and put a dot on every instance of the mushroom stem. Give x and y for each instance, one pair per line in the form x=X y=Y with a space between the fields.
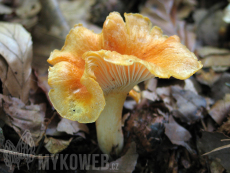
x=108 y=125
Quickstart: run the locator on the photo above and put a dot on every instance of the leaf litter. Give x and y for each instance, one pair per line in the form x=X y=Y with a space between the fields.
x=174 y=123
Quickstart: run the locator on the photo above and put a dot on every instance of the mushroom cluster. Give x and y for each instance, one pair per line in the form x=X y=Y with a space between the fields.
x=93 y=73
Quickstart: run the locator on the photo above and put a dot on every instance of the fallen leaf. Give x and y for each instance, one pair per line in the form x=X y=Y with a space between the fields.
x=130 y=104
x=216 y=167
x=191 y=85
x=189 y=106
x=52 y=127
x=208 y=24
x=5 y=10
x=78 y=12
x=71 y=127
x=226 y=17
x=220 y=109
x=52 y=18
x=216 y=61
x=219 y=88
x=207 y=77
x=101 y=8
x=186 y=8
x=165 y=94
x=177 y=134
x=56 y=145
x=125 y=164
x=209 y=50
x=16 y=49
x=48 y=34
x=151 y=84
x=164 y=14
x=212 y=140
x=23 y=117
x=149 y=95
x=28 y=8
x=28 y=23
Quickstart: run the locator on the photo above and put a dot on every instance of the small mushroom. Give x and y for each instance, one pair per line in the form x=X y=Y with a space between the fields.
x=93 y=73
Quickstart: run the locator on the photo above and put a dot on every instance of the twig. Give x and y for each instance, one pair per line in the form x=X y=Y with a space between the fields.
x=23 y=154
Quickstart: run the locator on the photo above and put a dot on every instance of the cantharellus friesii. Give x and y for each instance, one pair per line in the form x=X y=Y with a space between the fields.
x=93 y=73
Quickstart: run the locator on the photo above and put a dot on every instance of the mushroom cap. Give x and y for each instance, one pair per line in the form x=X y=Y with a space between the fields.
x=91 y=65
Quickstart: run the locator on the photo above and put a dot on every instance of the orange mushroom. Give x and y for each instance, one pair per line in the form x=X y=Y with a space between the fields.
x=93 y=73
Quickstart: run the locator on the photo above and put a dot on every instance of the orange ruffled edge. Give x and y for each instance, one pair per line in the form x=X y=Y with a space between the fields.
x=79 y=97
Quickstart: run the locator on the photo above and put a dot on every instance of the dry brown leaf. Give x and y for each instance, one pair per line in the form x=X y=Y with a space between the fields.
x=164 y=14
x=149 y=95
x=191 y=85
x=28 y=8
x=209 y=23
x=220 y=87
x=226 y=17
x=56 y=145
x=52 y=19
x=177 y=134
x=52 y=127
x=220 y=109
x=16 y=49
x=22 y=11
x=48 y=34
x=211 y=141
x=165 y=94
x=207 y=77
x=216 y=167
x=130 y=104
x=189 y=106
x=127 y=162
x=151 y=84
x=71 y=127
x=22 y=117
x=78 y=12
x=4 y=9
x=209 y=50
x=124 y=164
x=216 y=61
x=28 y=23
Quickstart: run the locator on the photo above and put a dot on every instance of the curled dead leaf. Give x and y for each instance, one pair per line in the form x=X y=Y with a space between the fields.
x=220 y=109
x=207 y=77
x=125 y=164
x=219 y=88
x=166 y=14
x=16 y=49
x=22 y=117
x=28 y=8
x=78 y=12
x=189 y=106
x=177 y=134
x=72 y=127
x=56 y=145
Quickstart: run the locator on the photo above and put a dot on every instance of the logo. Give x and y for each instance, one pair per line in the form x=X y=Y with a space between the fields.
x=25 y=150
x=13 y=155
